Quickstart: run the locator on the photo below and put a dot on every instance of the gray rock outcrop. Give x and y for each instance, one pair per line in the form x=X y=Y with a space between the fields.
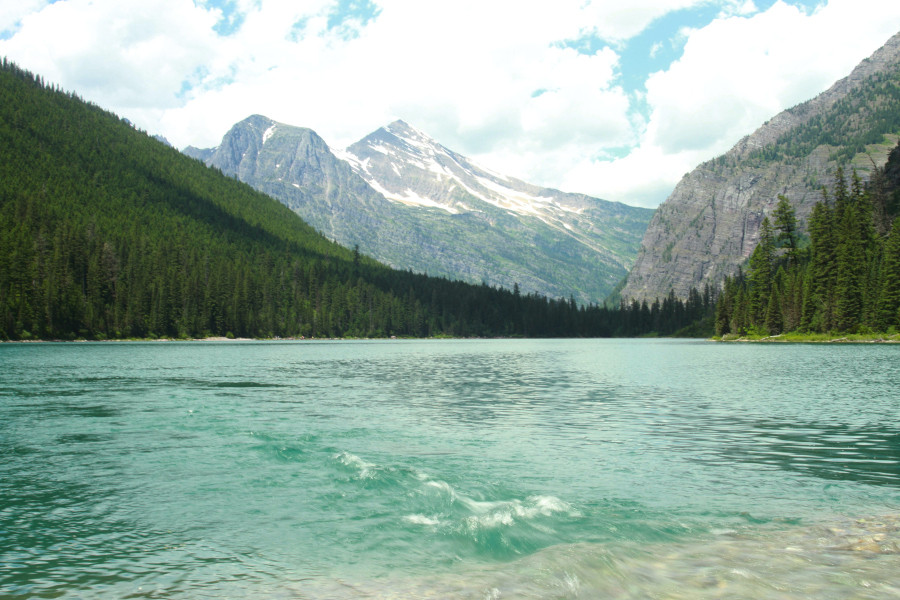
x=709 y=225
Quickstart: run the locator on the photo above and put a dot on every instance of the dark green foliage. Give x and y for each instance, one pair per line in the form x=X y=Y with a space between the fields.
x=847 y=280
x=693 y=317
x=891 y=174
x=107 y=233
x=786 y=224
x=761 y=263
x=888 y=305
x=774 y=320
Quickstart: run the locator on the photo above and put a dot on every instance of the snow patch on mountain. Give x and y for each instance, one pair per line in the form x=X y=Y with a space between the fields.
x=410 y=198
x=407 y=166
x=269 y=132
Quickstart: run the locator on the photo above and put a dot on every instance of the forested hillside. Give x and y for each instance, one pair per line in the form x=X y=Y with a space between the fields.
x=860 y=119
x=846 y=280
x=106 y=232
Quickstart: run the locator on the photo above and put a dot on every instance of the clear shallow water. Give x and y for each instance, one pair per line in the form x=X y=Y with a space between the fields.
x=449 y=469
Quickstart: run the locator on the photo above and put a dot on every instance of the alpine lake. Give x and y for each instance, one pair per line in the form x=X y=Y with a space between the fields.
x=484 y=469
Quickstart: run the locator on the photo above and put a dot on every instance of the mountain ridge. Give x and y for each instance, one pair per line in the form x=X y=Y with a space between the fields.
x=709 y=224
x=468 y=182
x=431 y=210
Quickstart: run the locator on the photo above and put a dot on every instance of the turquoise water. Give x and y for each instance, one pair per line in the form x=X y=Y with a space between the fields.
x=449 y=469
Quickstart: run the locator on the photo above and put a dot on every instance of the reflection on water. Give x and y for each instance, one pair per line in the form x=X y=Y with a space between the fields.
x=863 y=454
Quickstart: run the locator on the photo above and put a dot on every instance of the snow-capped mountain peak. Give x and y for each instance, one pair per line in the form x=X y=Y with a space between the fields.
x=409 y=201
x=406 y=165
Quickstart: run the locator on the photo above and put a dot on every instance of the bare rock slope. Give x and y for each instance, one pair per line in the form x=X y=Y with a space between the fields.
x=709 y=225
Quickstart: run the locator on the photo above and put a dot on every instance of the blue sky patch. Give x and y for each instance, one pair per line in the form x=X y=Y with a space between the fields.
x=347 y=17
x=232 y=18
x=659 y=45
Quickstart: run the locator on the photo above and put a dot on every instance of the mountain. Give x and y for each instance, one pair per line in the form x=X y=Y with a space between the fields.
x=710 y=223
x=413 y=204
x=295 y=166
x=106 y=232
x=162 y=140
x=579 y=233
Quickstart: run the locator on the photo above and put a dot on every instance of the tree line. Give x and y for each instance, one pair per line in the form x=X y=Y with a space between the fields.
x=843 y=278
x=107 y=233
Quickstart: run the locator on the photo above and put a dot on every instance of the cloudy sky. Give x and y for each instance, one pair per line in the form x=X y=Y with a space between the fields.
x=611 y=98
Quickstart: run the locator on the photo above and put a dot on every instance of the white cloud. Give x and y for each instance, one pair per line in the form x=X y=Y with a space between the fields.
x=466 y=76
x=11 y=13
x=489 y=79
x=735 y=74
x=120 y=54
x=643 y=178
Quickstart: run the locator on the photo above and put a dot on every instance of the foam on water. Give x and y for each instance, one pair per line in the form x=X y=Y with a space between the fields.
x=422 y=520
x=442 y=486
x=507 y=512
x=476 y=522
x=364 y=470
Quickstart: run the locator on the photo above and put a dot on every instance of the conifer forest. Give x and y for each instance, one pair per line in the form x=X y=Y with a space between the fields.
x=108 y=233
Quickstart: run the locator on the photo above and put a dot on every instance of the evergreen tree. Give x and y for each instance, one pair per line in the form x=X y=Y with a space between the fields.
x=786 y=224
x=819 y=307
x=847 y=281
x=774 y=321
x=888 y=314
x=850 y=266
x=761 y=264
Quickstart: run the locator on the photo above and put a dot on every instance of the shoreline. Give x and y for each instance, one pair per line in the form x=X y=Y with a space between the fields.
x=789 y=338
x=234 y=339
x=203 y=339
x=815 y=338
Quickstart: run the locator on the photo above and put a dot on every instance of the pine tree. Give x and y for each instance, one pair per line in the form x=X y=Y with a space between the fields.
x=739 y=315
x=786 y=224
x=841 y=193
x=888 y=314
x=851 y=270
x=724 y=307
x=761 y=264
x=822 y=271
x=774 y=322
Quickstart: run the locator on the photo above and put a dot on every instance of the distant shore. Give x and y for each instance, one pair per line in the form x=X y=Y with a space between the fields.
x=815 y=338
x=787 y=338
x=164 y=339
x=215 y=338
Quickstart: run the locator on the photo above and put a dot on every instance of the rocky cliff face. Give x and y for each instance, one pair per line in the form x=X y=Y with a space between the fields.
x=413 y=204
x=295 y=165
x=709 y=225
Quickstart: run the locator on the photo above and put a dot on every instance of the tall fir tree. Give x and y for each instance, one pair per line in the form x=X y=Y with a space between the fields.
x=819 y=306
x=761 y=265
x=888 y=312
x=851 y=269
x=786 y=224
